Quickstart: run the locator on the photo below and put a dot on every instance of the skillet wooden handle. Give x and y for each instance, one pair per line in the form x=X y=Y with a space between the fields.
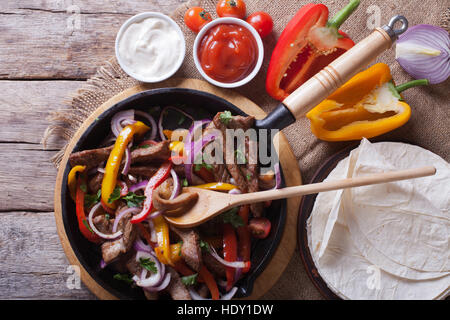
x=360 y=181
x=319 y=87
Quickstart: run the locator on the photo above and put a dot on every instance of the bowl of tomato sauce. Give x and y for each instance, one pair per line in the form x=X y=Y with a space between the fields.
x=228 y=52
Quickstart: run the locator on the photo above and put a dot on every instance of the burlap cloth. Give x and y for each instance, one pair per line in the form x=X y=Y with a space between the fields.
x=429 y=126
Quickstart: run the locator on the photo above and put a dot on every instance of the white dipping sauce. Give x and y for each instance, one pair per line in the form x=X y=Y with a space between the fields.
x=151 y=48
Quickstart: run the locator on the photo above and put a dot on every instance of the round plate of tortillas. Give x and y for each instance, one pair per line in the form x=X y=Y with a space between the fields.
x=388 y=241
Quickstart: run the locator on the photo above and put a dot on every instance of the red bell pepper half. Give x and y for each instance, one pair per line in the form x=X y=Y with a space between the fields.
x=308 y=44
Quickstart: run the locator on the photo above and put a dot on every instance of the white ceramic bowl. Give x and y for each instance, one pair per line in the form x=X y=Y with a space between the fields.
x=140 y=17
x=239 y=22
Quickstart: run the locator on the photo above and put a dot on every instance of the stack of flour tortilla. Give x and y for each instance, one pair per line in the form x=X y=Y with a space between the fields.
x=386 y=241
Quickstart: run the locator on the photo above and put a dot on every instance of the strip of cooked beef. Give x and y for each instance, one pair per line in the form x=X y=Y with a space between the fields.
x=154 y=153
x=176 y=288
x=233 y=168
x=93 y=158
x=103 y=224
x=95 y=183
x=114 y=248
x=90 y=158
x=190 y=250
x=252 y=174
x=213 y=265
x=149 y=170
x=241 y=122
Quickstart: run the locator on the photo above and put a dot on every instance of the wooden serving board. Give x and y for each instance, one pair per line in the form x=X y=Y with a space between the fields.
x=289 y=164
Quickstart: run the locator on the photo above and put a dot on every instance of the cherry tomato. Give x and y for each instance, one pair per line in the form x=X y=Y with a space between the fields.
x=195 y=18
x=259 y=227
x=262 y=22
x=231 y=8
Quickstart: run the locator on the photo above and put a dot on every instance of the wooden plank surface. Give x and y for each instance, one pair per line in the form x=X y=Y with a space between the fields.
x=40 y=42
x=63 y=39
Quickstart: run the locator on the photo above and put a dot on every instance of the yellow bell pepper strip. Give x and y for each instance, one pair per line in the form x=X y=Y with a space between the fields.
x=81 y=215
x=162 y=233
x=367 y=106
x=72 y=180
x=217 y=186
x=175 y=253
x=115 y=159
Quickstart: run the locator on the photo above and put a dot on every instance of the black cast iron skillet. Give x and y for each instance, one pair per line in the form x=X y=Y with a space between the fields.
x=200 y=105
x=203 y=105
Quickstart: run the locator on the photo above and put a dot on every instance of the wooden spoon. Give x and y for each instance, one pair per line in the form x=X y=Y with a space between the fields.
x=211 y=203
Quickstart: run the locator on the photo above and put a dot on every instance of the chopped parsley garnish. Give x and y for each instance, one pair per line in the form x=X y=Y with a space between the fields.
x=107 y=217
x=182 y=119
x=115 y=195
x=190 y=280
x=123 y=277
x=204 y=246
x=231 y=216
x=148 y=264
x=240 y=157
x=133 y=200
x=86 y=224
x=225 y=117
x=248 y=176
x=83 y=187
x=199 y=166
x=91 y=199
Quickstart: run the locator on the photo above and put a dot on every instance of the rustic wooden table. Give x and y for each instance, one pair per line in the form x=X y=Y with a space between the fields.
x=48 y=49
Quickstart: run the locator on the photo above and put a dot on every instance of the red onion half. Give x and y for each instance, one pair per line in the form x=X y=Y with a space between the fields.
x=424 y=52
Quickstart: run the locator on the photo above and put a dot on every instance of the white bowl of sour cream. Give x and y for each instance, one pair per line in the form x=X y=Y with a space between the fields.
x=150 y=47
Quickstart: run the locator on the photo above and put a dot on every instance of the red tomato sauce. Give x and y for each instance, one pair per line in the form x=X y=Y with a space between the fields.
x=228 y=53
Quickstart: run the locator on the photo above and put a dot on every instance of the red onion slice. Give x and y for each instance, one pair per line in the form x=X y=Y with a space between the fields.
x=161 y=118
x=127 y=165
x=124 y=188
x=176 y=185
x=121 y=214
x=227 y=296
x=155 y=278
x=162 y=286
x=138 y=186
x=102 y=235
x=231 y=264
x=139 y=245
x=150 y=119
x=424 y=52
x=276 y=169
x=118 y=118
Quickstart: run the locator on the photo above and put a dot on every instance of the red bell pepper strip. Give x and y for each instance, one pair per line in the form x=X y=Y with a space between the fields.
x=206 y=276
x=307 y=45
x=158 y=178
x=81 y=215
x=229 y=252
x=244 y=236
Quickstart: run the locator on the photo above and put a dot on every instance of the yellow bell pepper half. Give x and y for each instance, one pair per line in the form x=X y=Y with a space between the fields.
x=115 y=159
x=367 y=106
